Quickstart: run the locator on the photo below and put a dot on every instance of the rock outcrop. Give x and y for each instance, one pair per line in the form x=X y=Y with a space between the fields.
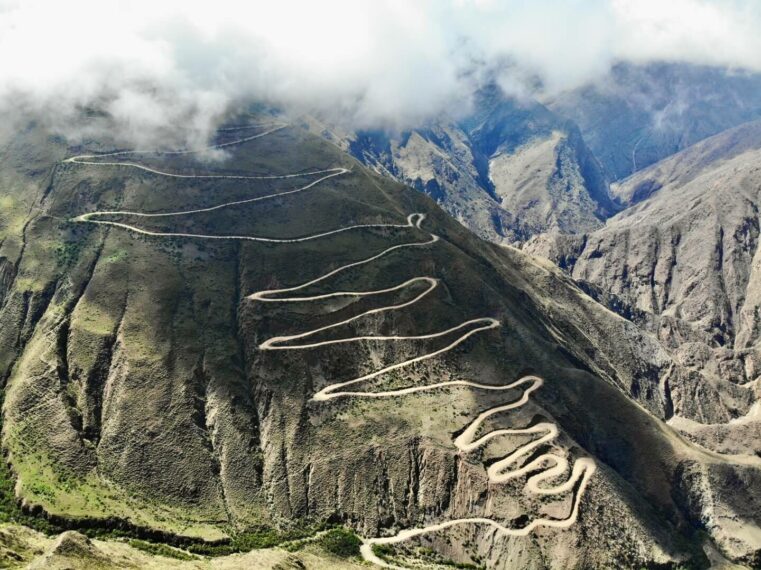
x=641 y=114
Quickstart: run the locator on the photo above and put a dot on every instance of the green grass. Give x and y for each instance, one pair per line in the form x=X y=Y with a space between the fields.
x=10 y=511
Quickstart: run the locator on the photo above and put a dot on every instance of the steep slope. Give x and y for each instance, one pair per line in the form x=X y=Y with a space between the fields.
x=684 y=264
x=508 y=171
x=639 y=115
x=683 y=167
x=201 y=346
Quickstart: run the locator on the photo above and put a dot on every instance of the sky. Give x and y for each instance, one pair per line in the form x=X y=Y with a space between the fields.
x=166 y=71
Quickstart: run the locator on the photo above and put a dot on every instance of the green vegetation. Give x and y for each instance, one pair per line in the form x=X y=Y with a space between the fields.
x=10 y=511
x=382 y=551
x=254 y=538
x=161 y=550
x=265 y=537
x=340 y=542
x=119 y=255
x=212 y=549
x=66 y=253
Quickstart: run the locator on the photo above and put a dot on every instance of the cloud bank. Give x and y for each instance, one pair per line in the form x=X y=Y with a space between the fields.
x=170 y=70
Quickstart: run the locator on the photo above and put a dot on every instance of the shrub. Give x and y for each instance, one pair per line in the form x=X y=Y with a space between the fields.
x=382 y=551
x=341 y=542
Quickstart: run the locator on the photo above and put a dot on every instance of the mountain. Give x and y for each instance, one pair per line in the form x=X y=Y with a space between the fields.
x=236 y=348
x=640 y=114
x=683 y=262
x=681 y=168
x=509 y=170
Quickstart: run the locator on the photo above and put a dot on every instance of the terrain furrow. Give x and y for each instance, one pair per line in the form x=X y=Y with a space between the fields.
x=541 y=468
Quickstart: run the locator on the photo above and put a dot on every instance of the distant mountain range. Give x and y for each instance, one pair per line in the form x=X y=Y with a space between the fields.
x=639 y=115
x=509 y=171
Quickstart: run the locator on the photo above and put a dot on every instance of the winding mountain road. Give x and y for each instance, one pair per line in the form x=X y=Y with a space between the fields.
x=524 y=460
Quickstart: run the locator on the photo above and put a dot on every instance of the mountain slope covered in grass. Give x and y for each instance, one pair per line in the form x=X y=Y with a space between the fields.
x=208 y=350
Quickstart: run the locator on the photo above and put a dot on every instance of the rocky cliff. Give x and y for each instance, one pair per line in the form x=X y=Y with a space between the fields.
x=509 y=170
x=640 y=114
x=683 y=263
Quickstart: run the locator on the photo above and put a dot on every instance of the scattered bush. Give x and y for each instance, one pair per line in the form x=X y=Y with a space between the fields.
x=265 y=537
x=382 y=551
x=341 y=542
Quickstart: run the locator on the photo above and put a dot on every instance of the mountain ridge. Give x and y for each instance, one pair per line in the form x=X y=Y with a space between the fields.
x=509 y=170
x=689 y=249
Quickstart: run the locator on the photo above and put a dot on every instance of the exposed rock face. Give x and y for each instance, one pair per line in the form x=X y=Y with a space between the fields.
x=639 y=115
x=684 y=264
x=137 y=387
x=510 y=170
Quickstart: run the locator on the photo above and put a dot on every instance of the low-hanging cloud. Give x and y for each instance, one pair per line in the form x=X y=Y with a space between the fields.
x=171 y=70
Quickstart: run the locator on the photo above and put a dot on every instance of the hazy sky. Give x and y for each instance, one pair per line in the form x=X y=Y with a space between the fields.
x=172 y=68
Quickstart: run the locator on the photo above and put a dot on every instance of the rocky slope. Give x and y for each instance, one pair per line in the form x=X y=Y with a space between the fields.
x=508 y=171
x=681 y=168
x=142 y=387
x=639 y=115
x=684 y=263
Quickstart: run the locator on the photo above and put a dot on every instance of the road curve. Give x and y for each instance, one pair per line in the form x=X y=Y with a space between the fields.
x=547 y=466
x=92 y=159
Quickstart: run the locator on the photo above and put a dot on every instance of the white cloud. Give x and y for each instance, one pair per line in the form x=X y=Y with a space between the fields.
x=718 y=32
x=171 y=69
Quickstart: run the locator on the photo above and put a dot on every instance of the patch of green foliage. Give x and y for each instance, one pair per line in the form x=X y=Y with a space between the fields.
x=106 y=533
x=340 y=542
x=161 y=550
x=116 y=256
x=66 y=253
x=205 y=549
x=383 y=551
x=10 y=511
x=253 y=538
x=265 y=537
